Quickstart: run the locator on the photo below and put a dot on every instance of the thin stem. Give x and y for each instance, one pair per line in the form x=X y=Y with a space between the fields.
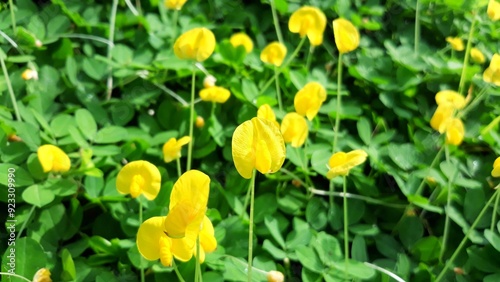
x=25 y=222
x=250 y=232
x=385 y=271
x=163 y=12
x=89 y=37
x=197 y=273
x=140 y=222
x=132 y=8
x=111 y=38
x=11 y=41
x=276 y=22
x=177 y=272
x=285 y=65
x=346 y=229
x=309 y=57
x=12 y=16
x=174 y=25
x=278 y=92
x=467 y=52
x=417 y=27
x=9 y=87
x=14 y=275
x=179 y=170
x=448 y=205
x=357 y=197
x=434 y=162
x=466 y=237
x=494 y=217
x=331 y=188
x=339 y=103
x=191 y=121
x=172 y=94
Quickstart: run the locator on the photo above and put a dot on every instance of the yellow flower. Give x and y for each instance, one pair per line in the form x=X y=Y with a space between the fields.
x=29 y=74
x=275 y=276
x=493 y=10
x=346 y=35
x=241 y=39
x=274 y=53
x=200 y=122
x=442 y=114
x=496 y=168
x=454 y=131
x=294 y=129
x=450 y=98
x=196 y=44
x=139 y=177
x=456 y=43
x=175 y=4
x=257 y=144
x=477 y=56
x=188 y=203
x=42 y=275
x=341 y=163
x=266 y=112
x=308 y=21
x=53 y=159
x=208 y=243
x=215 y=94
x=309 y=99
x=492 y=73
x=172 y=148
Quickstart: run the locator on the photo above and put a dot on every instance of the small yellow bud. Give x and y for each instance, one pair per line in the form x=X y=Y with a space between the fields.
x=275 y=276
x=42 y=275
x=29 y=74
x=200 y=122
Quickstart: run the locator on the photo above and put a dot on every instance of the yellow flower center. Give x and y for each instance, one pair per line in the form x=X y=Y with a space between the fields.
x=306 y=25
x=165 y=251
x=136 y=185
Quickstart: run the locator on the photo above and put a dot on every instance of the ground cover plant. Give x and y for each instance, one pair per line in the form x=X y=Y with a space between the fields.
x=230 y=140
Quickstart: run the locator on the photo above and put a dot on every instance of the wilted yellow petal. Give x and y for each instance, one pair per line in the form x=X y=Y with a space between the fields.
x=309 y=99
x=42 y=275
x=53 y=159
x=294 y=129
x=215 y=94
x=175 y=4
x=308 y=21
x=196 y=44
x=493 y=10
x=450 y=98
x=477 y=56
x=274 y=54
x=455 y=132
x=496 y=168
x=456 y=43
x=139 y=177
x=346 y=35
x=241 y=39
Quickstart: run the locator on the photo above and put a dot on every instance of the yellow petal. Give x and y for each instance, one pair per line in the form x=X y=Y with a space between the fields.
x=346 y=35
x=42 y=275
x=268 y=132
x=241 y=39
x=492 y=73
x=455 y=132
x=53 y=159
x=356 y=157
x=140 y=176
x=181 y=216
x=456 y=43
x=450 y=98
x=175 y=4
x=193 y=186
x=309 y=99
x=308 y=21
x=196 y=44
x=262 y=157
x=148 y=237
x=274 y=54
x=493 y=10
x=477 y=56
x=172 y=148
x=243 y=149
x=341 y=163
x=294 y=129
x=207 y=236
x=215 y=94
x=496 y=168
x=440 y=117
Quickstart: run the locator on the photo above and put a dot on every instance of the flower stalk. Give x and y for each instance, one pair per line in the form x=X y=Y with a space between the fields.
x=250 y=232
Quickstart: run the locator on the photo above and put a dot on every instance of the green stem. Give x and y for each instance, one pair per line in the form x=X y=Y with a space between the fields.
x=417 y=27
x=163 y=12
x=466 y=237
x=179 y=170
x=278 y=92
x=198 y=276
x=356 y=197
x=140 y=222
x=434 y=162
x=25 y=222
x=14 y=275
x=111 y=38
x=346 y=229
x=177 y=271
x=339 y=103
x=474 y=102
x=9 y=87
x=250 y=232
x=191 y=121
x=276 y=22
x=448 y=205
x=467 y=52
x=247 y=198
x=285 y=65
x=309 y=57
x=12 y=16
x=174 y=25
x=331 y=190
x=494 y=217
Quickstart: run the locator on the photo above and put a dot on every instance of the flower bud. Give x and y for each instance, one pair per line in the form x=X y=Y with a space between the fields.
x=200 y=122
x=275 y=276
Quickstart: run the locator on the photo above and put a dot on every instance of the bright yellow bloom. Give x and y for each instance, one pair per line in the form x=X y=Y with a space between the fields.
x=294 y=129
x=175 y=4
x=450 y=98
x=241 y=39
x=493 y=10
x=456 y=43
x=139 y=177
x=266 y=112
x=309 y=99
x=42 y=275
x=308 y=21
x=188 y=203
x=346 y=35
x=442 y=114
x=215 y=94
x=341 y=163
x=29 y=74
x=172 y=148
x=275 y=276
x=274 y=53
x=477 y=56
x=496 y=168
x=195 y=44
x=454 y=131
x=257 y=144
x=492 y=73
x=53 y=159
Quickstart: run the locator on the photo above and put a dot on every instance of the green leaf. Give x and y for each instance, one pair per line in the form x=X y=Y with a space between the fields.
x=355 y=268
x=404 y=155
x=427 y=249
x=316 y=213
x=424 y=203
x=69 y=270
x=274 y=251
x=309 y=259
x=273 y=227
x=111 y=134
x=410 y=230
x=328 y=248
x=14 y=175
x=61 y=124
x=29 y=134
x=28 y=255
x=249 y=90
x=358 y=249
x=38 y=196
x=86 y=123
x=364 y=130
x=493 y=238
x=94 y=68
x=122 y=113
